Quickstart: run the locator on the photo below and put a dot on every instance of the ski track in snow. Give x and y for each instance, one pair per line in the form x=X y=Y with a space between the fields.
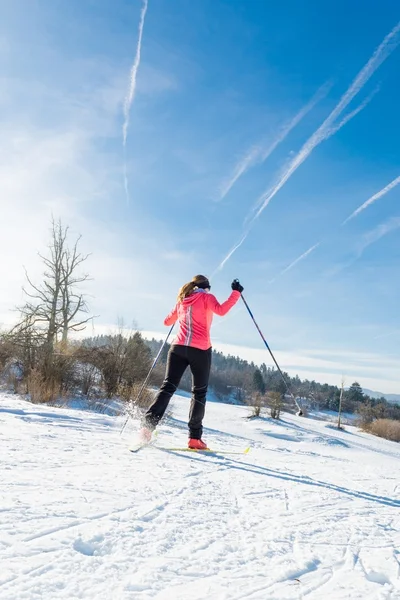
x=310 y=513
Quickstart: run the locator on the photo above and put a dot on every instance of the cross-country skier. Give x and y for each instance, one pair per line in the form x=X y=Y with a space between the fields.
x=191 y=347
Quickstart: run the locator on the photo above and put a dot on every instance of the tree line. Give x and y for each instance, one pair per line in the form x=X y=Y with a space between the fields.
x=236 y=379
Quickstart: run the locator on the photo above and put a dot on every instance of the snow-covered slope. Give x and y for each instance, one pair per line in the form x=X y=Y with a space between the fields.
x=310 y=513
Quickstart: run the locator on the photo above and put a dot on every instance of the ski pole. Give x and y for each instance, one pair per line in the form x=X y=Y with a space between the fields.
x=147 y=377
x=300 y=413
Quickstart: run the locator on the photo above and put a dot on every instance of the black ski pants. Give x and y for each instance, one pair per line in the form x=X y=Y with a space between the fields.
x=179 y=358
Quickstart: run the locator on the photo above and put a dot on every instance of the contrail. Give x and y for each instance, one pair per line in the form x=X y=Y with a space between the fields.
x=385 y=335
x=367 y=239
x=373 y=198
x=328 y=128
x=353 y=113
x=297 y=260
x=134 y=70
x=227 y=257
x=131 y=92
x=257 y=155
x=376 y=234
x=321 y=93
x=343 y=122
x=242 y=166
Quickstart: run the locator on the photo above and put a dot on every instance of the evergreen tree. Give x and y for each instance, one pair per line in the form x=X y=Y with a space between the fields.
x=258 y=382
x=355 y=393
x=334 y=401
x=279 y=386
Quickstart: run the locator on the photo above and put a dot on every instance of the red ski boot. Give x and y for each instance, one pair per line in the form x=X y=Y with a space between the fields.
x=197 y=444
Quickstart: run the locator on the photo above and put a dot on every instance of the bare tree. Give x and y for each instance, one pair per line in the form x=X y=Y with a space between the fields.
x=72 y=302
x=341 y=402
x=53 y=307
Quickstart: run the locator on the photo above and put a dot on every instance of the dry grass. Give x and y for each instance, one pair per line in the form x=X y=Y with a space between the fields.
x=384 y=428
x=41 y=390
x=130 y=395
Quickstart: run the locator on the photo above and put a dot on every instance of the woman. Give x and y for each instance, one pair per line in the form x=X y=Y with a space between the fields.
x=191 y=347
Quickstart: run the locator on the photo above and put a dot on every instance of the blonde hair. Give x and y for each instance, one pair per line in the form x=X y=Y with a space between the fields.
x=188 y=288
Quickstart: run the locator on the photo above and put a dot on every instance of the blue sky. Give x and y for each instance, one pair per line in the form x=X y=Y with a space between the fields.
x=230 y=96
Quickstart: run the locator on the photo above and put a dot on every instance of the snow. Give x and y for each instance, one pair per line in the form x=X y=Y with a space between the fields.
x=311 y=512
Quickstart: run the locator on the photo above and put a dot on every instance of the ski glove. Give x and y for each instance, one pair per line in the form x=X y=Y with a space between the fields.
x=235 y=285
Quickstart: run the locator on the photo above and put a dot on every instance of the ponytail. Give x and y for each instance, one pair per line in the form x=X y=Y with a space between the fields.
x=199 y=281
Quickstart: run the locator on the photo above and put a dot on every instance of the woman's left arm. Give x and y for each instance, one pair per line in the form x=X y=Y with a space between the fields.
x=172 y=317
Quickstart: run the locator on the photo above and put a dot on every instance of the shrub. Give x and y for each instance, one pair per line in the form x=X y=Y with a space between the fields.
x=275 y=404
x=384 y=428
x=256 y=403
x=367 y=414
x=41 y=390
x=123 y=361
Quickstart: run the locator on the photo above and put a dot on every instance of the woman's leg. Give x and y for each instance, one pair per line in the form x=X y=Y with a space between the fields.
x=200 y=364
x=176 y=365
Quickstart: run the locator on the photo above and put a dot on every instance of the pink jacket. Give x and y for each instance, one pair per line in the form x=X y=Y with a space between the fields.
x=195 y=314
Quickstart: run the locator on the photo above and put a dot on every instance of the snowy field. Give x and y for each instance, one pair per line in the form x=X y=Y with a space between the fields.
x=310 y=512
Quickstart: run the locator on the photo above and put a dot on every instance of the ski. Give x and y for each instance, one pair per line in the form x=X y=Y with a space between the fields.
x=143 y=444
x=138 y=447
x=207 y=451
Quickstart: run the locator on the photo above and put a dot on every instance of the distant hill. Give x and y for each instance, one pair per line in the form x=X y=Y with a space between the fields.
x=389 y=397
